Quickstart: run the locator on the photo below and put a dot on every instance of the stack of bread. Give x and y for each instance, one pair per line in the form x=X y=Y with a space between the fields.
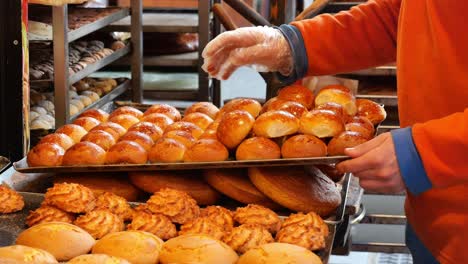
x=295 y=124
x=72 y=222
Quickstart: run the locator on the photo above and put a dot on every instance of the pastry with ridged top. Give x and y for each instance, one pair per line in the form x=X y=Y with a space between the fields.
x=177 y=205
x=10 y=200
x=257 y=214
x=116 y=204
x=220 y=215
x=100 y=222
x=157 y=224
x=248 y=236
x=70 y=197
x=45 y=214
x=202 y=226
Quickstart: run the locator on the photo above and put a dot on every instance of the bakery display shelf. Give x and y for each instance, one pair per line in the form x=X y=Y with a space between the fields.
x=386 y=100
x=4 y=163
x=161 y=22
x=189 y=59
x=22 y=165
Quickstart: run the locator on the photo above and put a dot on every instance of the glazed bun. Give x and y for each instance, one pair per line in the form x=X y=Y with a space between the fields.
x=159 y=120
x=199 y=119
x=336 y=87
x=95 y=113
x=114 y=129
x=234 y=127
x=126 y=152
x=362 y=125
x=346 y=100
x=140 y=138
x=23 y=254
x=45 y=154
x=167 y=150
x=166 y=110
x=297 y=93
x=372 y=110
x=97 y=259
x=205 y=150
x=87 y=123
x=274 y=252
x=249 y=105
x=206 y=108
x=75 y=132
x=210 y=134
x=62 y=140
x=274 y=124
x=258 y=148
x=182 y=136
x=194 y=130
x=127 y=110
x=303 y=146
x=84 y=153
x=100 y=138
x=272 y=103
x=291 y=107
x=126 y=121
x=347 y=139
x=337 y=109
x=153 y=131
x=321 y=123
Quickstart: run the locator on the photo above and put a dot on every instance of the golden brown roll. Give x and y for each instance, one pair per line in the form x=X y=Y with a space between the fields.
x=64 y=241
x=279 y=253
x=95 y=113
x=346 y=100
x=337 y=87
x=219 y=215
x=140 y=138
x=199 y=119
x=347 y=139
x=206 y=108
x=160 y=120
x=126 y=121
x=235 y=184
x=297 y=93
x=203 y=249
x=46 y=214
x=97 y=259
x=100 y=222
x=185 y=181
x=210 y=134
x=10 y=200
x=302 y=235
x=150 y=129
x=248 y=236
x=127 y=110
x=275 y=124
x=177 y=205
x=114 y=129
x=137 y=247
x=194 y=130
x=364 y=122
x=258 y=215
x=126 y=152
x=45 y=154
x=330 y=171
x=303 y=146
x=359 y=128
x=291 y=107
x=84 y=153
x=245 y=104
x=258 y=148
x=103 y=182
x=23 y=254
x=87 y=123
x=164 y=109
x=75 y=132
x=70 y=197
x=101 y=138
x=167 y=150
x=202 y=226
x=337 y=109
x=156 y=224
x=372 y=110
x=114 y=204
x=274 y=101
x=321 y=123
x=233 y=127
x=205 y=150
x=62 y=140
x=296 y=189
x=183 y=137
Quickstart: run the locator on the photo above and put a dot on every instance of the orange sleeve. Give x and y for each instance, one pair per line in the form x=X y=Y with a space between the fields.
x=443 y=147
x=363 y=37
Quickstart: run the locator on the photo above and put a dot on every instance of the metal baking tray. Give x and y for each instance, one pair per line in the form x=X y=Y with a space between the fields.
x=11 y=225
x=22 y=165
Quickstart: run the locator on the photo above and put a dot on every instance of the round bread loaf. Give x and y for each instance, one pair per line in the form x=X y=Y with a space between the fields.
x=186 y=181
x=337 y=109
x=101 y=138
x=372 y=110
x=114 y=129
x=45 y=154
x=142 y=139
x=137 y=247
x=297 y=93
x=245 y=104
x=279 y=253
x=126 y=152
x=291 y=107
x=24 y=254
x=75 y=132
x=233 y=127
x=183 y=137
x=321 y=123
x=347 y=139
x=95 y=113
x=205 y=150
x=86 y=122
x=64 y=241
x=193 y=129
x=336 y=87
x=345 y=99
x=62 y=140
x=362 y=125
x=204 y=249
x=164 y=109
x=160 y=120
x=127 y=110
x=274 y=124
x=125 y=120
x=199 y=119
x=150 y=129
x=303 y=146
x=296 y=189
x=258 y=148
x=206 y=108
x=97 y=259
x=272 y=103
x=167 y=150
x=84 y=153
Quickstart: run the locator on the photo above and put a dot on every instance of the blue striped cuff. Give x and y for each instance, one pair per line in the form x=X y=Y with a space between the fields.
x=411 y=166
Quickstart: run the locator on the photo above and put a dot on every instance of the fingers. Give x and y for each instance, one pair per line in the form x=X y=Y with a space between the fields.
x=242 y=37
x=365 y=147
x=370 y=160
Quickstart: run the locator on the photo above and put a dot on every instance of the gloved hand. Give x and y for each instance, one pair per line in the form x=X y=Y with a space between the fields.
x=263 y=48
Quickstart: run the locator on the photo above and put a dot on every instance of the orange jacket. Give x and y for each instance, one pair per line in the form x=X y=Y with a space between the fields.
x=429 y=40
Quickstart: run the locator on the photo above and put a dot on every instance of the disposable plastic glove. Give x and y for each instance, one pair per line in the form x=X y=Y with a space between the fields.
x=263 y=48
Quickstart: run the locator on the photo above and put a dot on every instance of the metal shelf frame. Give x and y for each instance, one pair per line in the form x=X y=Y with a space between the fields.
x=161 y=22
